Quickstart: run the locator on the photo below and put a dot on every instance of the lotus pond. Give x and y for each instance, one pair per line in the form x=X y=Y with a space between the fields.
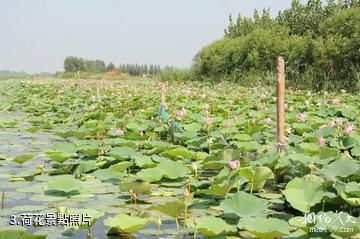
x=204 y=165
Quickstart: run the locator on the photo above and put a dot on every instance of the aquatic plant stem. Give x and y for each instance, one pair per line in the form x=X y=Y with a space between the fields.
x=252 y=183
x=177 y=224
x=2 y=200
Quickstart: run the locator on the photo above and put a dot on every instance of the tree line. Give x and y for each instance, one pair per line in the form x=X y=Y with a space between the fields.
x=320 y=42
x=74 y=64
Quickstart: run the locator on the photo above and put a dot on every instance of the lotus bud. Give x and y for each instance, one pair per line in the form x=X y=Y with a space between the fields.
x=119 y=132
x=196 y=220
x=209 y=141
x=234 y=164
x=321 y=141
x=158 y=222
x=194 y=166
x=312 y=167
x=349 y=129
x=186 y=192
x=61 y=209
x=253 y=121
x=227 y=124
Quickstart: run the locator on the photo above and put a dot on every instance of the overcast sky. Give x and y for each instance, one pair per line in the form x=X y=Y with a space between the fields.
x=36 y=35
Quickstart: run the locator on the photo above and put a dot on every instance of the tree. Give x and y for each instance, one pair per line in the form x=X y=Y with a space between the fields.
x=74 y=64
x=110 y=67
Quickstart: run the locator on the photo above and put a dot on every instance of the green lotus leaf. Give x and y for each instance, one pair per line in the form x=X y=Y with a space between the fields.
x=126 y=224
x=120 y=167
x=172 y=209
x=303 y=193
x=122 y=153
x=65 y=185
x=355 y=151
x=143 y=161
x=107 y=175
x=245 y=205
x=179 y=152
x=23 y=158
x=242 y=137
x=325 y=132
x=265 y=228
x=351 y=193
x=248 y=146
x=151 y=174
x=310 y=148
x=211 y=226
x=349 y=142
x=89 y=148
x=166 y=168
x=137 y=187
x=61 y=152
x=193 y=127
x=326 y=153
x=257 y=176
x=301 y=128
x=19 y=234
x=173 y=170
x=342 y=168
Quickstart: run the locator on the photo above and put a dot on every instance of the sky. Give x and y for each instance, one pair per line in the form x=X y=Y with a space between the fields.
x=37 y=35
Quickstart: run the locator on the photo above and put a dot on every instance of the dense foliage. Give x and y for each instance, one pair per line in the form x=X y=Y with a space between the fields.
x=139 y=70
x=74 y=64
x=105 y=149
x=319 y=42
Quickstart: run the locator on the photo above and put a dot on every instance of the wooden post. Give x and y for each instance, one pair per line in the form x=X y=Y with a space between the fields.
x=98 y=90
x=78 y=78
x=280 y=90
x=163 y=91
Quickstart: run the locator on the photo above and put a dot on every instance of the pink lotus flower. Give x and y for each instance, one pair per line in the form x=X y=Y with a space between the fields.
x=321 y=141
x=181 y=113
x=227 y=124
x=253 y=121
x=186 y=192
x=301 y=117
x=194 y=166
x=208 y=120
x=141 y=133
x=268 y=121
x=335 y=101
x=338 y=122
x=119 y=132
x=349 y=129
x=332 y=123
x=234 y=164
x=206 y=107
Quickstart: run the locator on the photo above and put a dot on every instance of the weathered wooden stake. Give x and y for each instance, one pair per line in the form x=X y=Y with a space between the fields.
x=163 y=91
x=280 y=90
x=98 y=91
x=78 y=78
